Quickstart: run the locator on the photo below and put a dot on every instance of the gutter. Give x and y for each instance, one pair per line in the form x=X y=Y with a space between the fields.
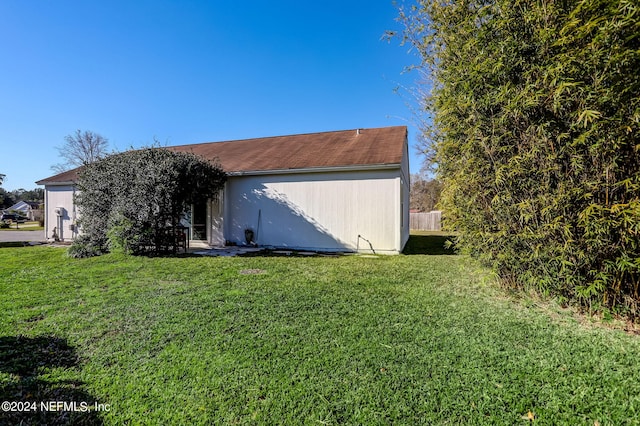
x=356 y=168
x=317 y=170
x=70 y=182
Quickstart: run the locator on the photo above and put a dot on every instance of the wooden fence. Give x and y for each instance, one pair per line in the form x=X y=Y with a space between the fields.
x=425 y=221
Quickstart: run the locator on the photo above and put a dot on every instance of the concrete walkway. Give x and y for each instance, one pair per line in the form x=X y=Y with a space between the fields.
x=27 y=236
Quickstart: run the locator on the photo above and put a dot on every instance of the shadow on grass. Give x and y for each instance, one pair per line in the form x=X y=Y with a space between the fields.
x=429 y=244
x=180 y=254
x=13 y=244
x=27 y=360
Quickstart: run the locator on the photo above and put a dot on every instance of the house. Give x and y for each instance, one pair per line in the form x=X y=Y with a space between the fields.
x=331 y=191
x=24 y=208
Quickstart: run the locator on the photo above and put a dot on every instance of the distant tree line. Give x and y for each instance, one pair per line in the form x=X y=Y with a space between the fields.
x=424 y=193
x=9 y=198
x=535 y=128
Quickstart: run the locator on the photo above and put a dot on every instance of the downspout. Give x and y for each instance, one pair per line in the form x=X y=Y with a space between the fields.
x=258 y=227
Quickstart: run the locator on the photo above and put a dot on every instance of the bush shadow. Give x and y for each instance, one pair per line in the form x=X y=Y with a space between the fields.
x=430 y=245
x=27 y=360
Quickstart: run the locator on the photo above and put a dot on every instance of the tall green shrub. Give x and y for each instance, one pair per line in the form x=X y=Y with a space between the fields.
x=536 y=120
x=133 y=201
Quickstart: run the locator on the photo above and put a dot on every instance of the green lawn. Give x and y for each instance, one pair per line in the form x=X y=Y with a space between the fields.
x=26 y=226
x=274 y=340
x=431 y=242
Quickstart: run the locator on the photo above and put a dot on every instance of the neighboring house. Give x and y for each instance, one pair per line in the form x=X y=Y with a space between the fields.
x=25 y=208
x=331 y=191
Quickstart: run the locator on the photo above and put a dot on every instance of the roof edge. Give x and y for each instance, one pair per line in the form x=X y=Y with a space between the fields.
x=287 y=135
x=68 y=175
x=46 y=182
x=356 y=168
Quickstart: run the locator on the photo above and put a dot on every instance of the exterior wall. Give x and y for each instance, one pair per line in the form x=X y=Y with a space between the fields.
x=332 y=211
x=60 y=196
x=321 y=211
x=406 y=189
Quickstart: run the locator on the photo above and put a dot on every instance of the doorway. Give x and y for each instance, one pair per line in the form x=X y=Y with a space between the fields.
x=199 y=221
x=207 y=221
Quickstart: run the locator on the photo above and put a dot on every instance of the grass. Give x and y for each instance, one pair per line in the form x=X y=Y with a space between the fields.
x=13 y=244
x=429 y=242
x=26 y=226
x=275 y=340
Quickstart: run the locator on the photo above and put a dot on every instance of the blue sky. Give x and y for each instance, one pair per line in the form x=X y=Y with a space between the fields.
x=191 y=71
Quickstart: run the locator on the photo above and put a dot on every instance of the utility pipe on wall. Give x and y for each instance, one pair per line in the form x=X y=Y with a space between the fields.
x=358 y=244
x=258 y=227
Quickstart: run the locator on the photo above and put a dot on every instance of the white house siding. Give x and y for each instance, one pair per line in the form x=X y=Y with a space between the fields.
x=60 y=196
x=320 y=211
x=406 y=186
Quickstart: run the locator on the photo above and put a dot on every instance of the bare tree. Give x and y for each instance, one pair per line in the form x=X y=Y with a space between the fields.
x=81 y=148
x=424 y=192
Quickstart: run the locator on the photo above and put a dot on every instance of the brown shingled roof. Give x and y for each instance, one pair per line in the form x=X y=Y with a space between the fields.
x=364 y=147
x=64 y=177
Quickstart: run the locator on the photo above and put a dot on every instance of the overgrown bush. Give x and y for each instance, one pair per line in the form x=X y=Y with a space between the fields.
x=83 y=247
x=132 y=201
x=536 y=120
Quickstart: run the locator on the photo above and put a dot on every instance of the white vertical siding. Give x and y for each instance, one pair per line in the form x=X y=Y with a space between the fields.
x=323 y=211
x=60 y=196
x=217 y=220
x=319 y=211
x=406 y=187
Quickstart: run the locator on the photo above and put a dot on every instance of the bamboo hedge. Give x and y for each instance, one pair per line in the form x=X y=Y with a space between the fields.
x=535 y=118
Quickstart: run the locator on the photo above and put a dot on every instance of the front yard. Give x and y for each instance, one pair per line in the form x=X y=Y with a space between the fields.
x=25 y=226
x=276 y=340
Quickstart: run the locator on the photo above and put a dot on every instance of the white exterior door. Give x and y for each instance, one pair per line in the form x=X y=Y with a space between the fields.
x=217 y=219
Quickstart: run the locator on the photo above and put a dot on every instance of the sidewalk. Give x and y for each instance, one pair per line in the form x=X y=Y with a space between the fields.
x=13 y=236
